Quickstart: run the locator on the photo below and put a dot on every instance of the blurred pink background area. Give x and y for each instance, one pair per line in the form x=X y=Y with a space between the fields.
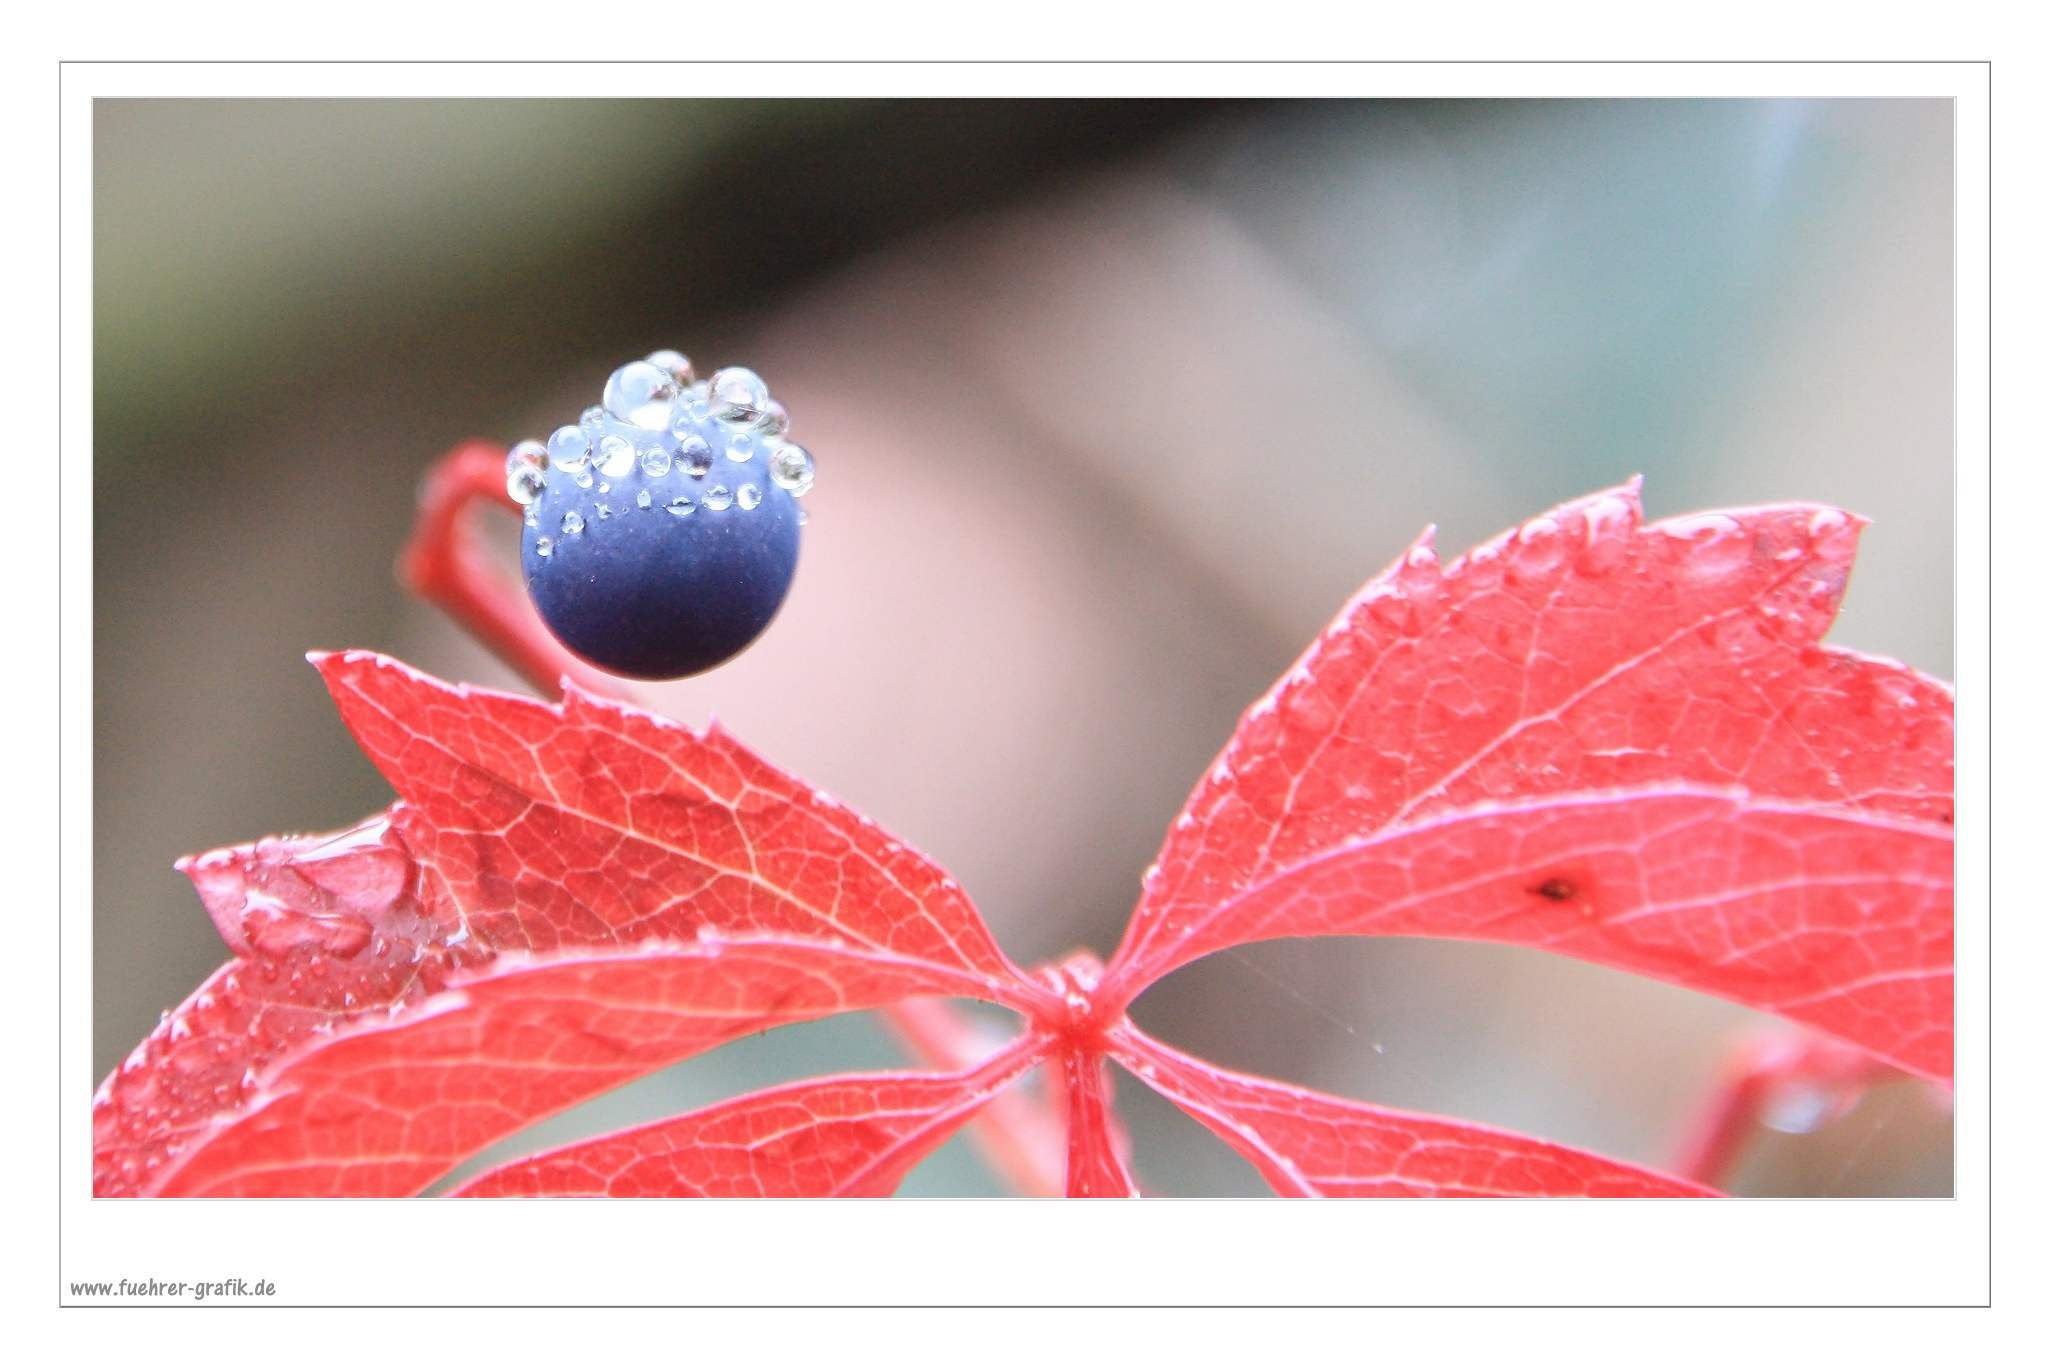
x=1113 y=405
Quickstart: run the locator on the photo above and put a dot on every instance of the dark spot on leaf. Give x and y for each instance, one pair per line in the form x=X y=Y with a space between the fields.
x=1555 y=889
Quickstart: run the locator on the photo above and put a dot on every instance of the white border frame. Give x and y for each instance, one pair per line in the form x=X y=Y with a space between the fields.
x=1023 y=1252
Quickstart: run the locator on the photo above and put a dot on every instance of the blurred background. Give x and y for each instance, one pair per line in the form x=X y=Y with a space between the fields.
x=1114 y=404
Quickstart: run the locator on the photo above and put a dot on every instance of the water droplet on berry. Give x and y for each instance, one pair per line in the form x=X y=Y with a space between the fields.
x=583 y=477
x=655 y=461
x=569 y=448
x=544 y=547
x=526 y=471
x=749 y=497
x=774 y=419
x=718 y=497
x=525 y=484
x=675 y=364
x=695 y=456
x=737 y=395
x=615 y=457
x=532 y=517
x=604 y=511
x=645 y=500
x=680 y=507
x=740 y=448
x=592 y=421
x=572 y=523
x=640 y=394
x=792 y=468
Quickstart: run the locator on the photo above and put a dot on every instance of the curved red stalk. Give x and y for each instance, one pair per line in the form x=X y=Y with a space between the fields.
x=444 y=563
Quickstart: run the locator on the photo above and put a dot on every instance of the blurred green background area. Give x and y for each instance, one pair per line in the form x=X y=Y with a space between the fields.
x=1114 y=404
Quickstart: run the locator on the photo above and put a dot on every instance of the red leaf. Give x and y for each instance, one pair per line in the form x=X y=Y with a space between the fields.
x=390 y=1104
x=328 y=929
x=536 y=828
x=1311 y=1145
x=1619 y=742
x=1835 y=917
x=843 y=1135
x=1581 y=654
x=590 y=822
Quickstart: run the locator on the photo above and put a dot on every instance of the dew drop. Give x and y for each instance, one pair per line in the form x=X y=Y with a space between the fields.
x=695 y=456
x=640 y=394
x=792 y=468
x=1826 y=522
x=1607 y=528
x=526 y=471
x=655 y=461
x=544 y=547
x=749 y=497
x=737 y=395
x=680 y=507
x=604 y=511
x=532 y=517
x=1797 y=1109
x=569 y=448
x=718 y=497
x=525 y=484
x=740 y=448
x=1712 y=546
x=615 y=457
x=572 y=523
x=1538 y=549
x=276 y=932
x=592 y=421
x=675 y=364
x=645 y=500
x=774 y=419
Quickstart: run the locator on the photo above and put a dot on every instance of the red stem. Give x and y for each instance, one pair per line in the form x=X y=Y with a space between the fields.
x=1095 y=1168
x=445 y=564
x=1752 y=1079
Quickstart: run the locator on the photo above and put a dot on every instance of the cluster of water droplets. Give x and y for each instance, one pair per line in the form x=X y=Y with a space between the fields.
x=655 y=441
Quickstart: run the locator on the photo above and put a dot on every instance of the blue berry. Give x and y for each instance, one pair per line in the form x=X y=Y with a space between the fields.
x=662 y=529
